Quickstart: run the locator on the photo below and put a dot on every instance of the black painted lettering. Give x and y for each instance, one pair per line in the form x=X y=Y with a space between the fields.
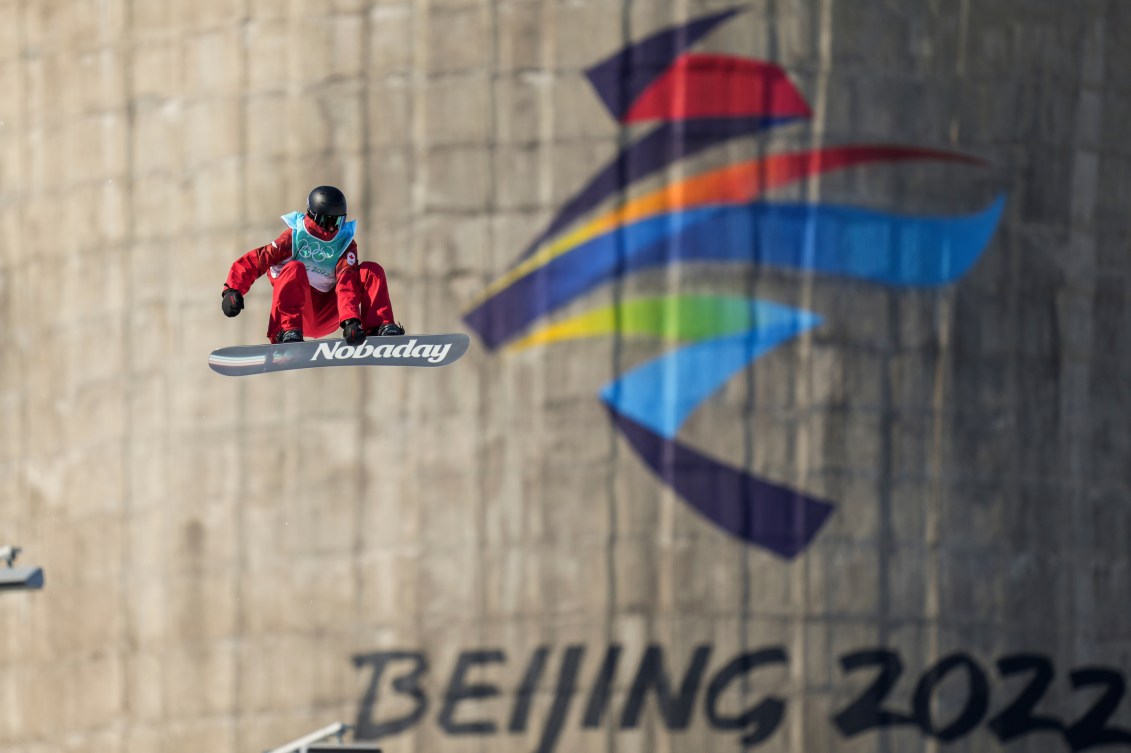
x=1017 y=718
x=526 y=690
x=365 y=728
x=761 y=720
x=977 y=697
x=1092 y=729
x=458 y=691
x=602 y=689
x=567 y=682
x=867 y=711
x=651 y=675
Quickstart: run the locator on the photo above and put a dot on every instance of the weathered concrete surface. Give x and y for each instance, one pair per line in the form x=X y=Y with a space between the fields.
x=218 y=551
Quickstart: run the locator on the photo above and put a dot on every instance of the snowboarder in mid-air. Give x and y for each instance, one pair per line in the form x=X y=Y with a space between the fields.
x=327 y=289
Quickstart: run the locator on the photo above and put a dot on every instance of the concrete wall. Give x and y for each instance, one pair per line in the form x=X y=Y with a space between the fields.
x=232 y=563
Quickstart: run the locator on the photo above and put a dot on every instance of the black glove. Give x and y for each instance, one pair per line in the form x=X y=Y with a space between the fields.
x=232 y=303
x=391 y=329
x=352 y=332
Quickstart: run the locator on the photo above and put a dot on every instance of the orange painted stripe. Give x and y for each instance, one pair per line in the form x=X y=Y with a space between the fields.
x=733 y=184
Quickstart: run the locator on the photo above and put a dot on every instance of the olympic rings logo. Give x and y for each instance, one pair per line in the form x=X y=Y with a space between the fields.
x=316 y=252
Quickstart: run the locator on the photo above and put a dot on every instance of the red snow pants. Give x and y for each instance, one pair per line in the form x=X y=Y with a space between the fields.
x=296 y=305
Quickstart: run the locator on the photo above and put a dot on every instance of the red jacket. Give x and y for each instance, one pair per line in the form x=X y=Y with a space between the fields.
x=255 y=263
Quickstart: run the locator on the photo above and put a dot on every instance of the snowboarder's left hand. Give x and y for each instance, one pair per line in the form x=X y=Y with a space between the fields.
x=352 y=332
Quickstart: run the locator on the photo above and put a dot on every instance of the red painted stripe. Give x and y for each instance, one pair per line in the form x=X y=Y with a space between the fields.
x=746 y=181
x=714 y=86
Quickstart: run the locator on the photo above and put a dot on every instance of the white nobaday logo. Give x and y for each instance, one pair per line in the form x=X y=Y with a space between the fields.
x=340 y=351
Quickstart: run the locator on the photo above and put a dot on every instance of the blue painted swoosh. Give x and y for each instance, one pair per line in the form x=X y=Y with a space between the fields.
x=661 y=394
x=770 y=515
x=879 y=247
x=621 y=78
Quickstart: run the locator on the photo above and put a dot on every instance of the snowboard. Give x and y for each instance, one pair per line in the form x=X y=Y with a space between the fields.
x=403 y=350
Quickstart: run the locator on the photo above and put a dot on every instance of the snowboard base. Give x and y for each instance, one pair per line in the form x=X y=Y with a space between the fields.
x=403 y=350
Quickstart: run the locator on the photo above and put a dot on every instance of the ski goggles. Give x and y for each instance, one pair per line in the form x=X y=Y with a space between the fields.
x=328 y=221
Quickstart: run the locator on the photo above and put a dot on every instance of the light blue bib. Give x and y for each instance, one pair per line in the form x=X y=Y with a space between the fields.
x=318 y=256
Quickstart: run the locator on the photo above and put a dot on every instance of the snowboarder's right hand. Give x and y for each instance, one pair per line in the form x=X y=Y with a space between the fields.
x=232 y=303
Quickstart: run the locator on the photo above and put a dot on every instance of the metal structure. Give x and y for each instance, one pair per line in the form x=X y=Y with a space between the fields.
x=314 y=742
x=18 y=578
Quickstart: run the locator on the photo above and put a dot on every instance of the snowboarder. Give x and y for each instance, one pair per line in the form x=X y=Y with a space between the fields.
x=327 y=289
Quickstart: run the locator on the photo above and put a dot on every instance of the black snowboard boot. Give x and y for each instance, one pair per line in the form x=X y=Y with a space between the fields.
x=385 y=330
x=291 y=336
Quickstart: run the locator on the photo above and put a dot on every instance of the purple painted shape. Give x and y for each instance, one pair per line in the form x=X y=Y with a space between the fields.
x=622 y=78
x=782 y=520
x=668 y=143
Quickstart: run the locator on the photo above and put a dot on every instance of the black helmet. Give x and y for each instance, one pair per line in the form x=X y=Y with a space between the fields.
x=326 y=205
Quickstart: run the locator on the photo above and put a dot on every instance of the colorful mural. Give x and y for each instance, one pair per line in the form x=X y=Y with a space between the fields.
x=721 y=216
